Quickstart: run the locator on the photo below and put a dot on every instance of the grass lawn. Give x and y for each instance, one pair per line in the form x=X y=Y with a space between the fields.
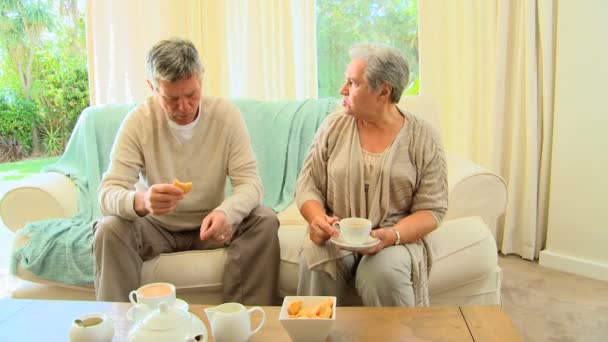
x=23 y=168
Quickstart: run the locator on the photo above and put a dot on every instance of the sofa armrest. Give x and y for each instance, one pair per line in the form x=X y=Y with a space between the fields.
x=474 y=191
x=41 y=196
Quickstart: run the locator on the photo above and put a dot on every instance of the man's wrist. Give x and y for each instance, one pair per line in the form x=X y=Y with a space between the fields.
x=139 y=204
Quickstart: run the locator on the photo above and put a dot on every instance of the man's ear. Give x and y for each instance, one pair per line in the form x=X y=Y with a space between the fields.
x=150 y=85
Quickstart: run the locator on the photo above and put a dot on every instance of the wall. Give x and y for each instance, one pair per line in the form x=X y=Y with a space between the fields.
x=577 y=239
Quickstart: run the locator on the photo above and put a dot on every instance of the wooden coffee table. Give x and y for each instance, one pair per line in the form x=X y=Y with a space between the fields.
x=48 y=320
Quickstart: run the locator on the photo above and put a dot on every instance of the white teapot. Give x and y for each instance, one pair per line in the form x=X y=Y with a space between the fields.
x=168 y=324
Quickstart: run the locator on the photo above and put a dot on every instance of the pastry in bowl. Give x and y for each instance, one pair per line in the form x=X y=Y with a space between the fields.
x=308 y=318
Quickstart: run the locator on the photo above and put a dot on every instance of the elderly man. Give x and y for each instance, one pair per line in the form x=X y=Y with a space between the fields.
x=178 y=133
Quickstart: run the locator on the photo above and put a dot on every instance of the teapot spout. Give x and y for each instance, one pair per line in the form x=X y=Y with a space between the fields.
x=197 y=338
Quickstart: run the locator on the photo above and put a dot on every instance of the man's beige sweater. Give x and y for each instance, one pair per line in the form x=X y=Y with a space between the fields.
x=146 y=149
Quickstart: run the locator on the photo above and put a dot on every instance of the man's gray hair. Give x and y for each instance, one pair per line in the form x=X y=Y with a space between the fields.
x=173 y=60
x=385 y=65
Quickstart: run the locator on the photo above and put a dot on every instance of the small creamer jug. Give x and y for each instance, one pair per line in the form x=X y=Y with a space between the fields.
x=92 y=327
x=231 y=322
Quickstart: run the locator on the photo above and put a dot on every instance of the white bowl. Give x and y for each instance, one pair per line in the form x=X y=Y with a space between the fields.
x=307 y=329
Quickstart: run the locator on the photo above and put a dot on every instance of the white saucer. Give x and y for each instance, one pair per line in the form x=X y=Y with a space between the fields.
x=179 y=304
x=371 y=242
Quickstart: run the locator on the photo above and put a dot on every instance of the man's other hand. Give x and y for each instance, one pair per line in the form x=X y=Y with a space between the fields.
x=215 y=228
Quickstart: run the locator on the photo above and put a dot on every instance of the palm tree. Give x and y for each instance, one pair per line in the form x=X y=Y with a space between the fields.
x=22 y=25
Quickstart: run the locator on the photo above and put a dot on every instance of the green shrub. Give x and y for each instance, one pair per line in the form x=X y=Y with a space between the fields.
x=18 y=116
x=63 y=92
x=414 y=88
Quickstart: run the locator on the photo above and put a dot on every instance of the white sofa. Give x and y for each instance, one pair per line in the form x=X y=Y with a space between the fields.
x=465 y=270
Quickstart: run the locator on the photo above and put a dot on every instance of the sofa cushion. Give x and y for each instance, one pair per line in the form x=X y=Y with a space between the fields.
x=291 y=216
x=202 y=269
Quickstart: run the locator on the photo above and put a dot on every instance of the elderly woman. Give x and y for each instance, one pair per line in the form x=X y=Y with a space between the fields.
x=373 y=160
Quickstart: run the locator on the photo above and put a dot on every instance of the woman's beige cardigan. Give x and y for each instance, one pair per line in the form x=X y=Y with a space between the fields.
x=413 y=177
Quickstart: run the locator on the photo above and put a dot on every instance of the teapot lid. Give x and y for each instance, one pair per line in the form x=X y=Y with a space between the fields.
x=164 y=318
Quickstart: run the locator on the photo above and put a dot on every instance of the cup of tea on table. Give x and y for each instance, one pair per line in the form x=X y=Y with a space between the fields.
x=153 y=294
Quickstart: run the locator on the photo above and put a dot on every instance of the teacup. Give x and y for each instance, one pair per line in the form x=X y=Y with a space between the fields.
x=153 y=294
x=354 y=230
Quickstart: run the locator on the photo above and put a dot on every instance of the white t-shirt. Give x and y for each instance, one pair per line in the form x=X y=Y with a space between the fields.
x=183 y=133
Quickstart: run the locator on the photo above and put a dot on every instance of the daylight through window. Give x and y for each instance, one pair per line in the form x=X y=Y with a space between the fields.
x=341 y=23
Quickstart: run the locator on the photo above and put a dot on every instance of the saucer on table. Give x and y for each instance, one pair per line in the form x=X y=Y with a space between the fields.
x=370 y=242
x=181 y=304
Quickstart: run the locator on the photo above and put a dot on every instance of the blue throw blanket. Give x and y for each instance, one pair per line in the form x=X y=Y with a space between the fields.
x=281 y=133
x=61 y=249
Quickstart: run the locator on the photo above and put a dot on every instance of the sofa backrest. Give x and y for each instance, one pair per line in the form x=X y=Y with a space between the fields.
x=281 y=133
x=423 y=107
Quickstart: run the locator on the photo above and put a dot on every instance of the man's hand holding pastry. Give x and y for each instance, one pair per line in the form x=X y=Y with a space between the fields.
x=158 y=200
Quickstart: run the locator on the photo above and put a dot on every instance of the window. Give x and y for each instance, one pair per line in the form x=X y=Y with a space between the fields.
x=43 y=76
x=341 y=23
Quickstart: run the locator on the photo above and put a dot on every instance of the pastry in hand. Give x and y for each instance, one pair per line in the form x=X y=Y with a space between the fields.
x=184 y=186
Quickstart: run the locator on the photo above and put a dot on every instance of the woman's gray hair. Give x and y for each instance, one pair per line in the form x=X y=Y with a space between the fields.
x=385 y=65
x=173 y=60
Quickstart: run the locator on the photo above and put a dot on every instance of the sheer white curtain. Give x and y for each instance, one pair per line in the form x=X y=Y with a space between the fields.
x=489 y=66
x=271 y=48
x=259 y=48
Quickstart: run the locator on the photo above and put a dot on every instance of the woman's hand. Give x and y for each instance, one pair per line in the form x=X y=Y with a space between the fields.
x=387 y=238
x=321 y=229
